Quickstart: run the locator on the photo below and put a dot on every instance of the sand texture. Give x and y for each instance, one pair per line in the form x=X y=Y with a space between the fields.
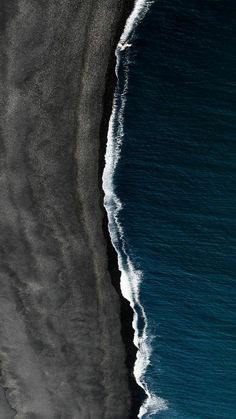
x=61 y=352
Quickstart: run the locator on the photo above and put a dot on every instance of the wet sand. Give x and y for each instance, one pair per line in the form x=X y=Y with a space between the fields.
x=64 y=351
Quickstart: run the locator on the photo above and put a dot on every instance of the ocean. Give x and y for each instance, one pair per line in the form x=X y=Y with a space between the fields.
x=170 y=186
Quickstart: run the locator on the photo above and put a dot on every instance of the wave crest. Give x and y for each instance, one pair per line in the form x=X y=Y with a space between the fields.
x=130 y=276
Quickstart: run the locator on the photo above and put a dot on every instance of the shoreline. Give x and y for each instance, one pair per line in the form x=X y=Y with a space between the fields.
x=126 y=312
x=66 y=337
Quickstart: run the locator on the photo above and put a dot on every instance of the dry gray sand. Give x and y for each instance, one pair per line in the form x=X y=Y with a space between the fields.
x=61 y=351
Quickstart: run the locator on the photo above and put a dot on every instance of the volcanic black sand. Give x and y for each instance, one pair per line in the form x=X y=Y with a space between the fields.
x=64 y=351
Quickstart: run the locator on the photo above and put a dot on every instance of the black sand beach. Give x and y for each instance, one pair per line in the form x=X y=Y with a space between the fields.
x=66 y=346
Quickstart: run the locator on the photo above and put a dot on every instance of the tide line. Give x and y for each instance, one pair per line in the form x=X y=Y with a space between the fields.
x=130 y=276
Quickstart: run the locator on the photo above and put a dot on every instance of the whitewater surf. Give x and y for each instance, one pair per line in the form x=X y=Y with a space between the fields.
x=130 y=276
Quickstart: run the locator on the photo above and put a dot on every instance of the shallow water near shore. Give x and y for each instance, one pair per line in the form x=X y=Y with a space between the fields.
x=174 y=208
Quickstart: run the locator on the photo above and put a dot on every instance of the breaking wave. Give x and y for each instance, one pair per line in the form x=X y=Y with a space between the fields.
x=130 y=276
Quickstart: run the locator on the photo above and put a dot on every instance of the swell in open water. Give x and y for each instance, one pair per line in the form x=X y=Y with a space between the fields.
x=170 y=194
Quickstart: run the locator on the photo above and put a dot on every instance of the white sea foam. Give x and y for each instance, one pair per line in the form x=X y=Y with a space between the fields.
x=130 y=276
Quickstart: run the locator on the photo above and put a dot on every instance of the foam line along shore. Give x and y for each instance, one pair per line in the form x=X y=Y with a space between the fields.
x=130 y=276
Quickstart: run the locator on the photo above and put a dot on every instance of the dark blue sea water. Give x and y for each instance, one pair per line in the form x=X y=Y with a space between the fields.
x=177 y=181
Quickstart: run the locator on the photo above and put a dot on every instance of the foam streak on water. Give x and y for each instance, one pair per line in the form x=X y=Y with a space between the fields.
x=130 y=276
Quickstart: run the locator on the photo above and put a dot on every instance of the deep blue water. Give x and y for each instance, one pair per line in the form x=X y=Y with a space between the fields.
x=177 y=181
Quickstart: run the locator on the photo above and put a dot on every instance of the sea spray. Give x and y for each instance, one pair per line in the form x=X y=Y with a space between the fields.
x=130 y=276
